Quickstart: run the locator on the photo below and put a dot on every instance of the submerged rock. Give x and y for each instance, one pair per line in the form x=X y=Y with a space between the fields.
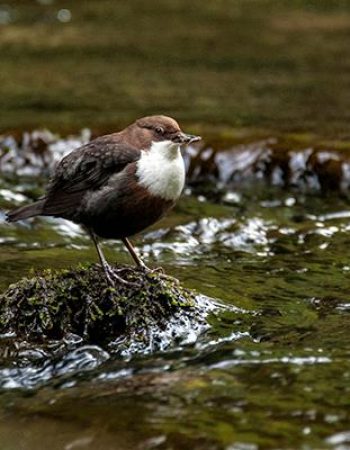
x=78 y=306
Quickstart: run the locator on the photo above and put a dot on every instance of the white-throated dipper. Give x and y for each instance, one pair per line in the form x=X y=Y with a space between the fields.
x=117 y=185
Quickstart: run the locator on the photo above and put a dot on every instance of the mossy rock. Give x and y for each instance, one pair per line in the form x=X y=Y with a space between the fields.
x=53 y=305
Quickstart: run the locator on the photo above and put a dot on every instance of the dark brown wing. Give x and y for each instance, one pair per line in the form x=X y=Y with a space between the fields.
x=86 y=168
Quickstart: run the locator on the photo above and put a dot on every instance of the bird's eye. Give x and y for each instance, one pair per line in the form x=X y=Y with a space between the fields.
x=159 y=130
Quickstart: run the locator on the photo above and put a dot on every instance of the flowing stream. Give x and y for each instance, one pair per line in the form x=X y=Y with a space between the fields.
x=272 y=372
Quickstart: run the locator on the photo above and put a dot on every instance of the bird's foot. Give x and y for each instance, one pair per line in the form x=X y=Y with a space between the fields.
x=159 y=271
x=124 y=269
x=142 y=266
x=113 y=278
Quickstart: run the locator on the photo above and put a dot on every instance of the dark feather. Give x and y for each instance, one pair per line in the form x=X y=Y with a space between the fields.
x=26 y=211
x=87 y=168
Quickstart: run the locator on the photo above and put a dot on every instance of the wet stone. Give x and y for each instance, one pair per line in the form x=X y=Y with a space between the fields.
x=213 y=168
x=77 y=307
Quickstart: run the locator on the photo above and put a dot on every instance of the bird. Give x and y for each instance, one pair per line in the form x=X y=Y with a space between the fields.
x=117 y=185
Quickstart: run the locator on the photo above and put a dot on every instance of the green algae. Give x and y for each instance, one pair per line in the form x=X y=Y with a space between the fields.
x=79 y=301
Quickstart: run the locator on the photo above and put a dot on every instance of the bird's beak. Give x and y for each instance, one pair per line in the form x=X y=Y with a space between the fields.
x=183 y=138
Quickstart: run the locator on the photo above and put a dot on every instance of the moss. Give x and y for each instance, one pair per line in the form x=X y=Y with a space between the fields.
x=52 y=305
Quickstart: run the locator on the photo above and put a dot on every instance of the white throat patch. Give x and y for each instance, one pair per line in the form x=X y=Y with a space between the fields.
x=161 y=170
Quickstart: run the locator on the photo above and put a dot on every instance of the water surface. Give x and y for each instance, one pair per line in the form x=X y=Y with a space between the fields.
x=273 y=372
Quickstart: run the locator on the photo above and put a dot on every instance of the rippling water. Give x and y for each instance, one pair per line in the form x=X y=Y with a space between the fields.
x=273 y=371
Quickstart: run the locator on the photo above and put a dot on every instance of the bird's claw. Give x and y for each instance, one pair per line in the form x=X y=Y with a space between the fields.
x=113 y=278
x=159 y=271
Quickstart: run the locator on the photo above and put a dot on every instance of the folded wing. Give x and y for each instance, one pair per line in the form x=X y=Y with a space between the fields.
x=87 y=168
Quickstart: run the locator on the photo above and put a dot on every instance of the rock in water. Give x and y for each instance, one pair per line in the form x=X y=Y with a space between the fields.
x=54 y=306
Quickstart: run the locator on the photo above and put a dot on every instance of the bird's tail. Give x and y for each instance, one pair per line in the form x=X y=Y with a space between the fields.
x=24 y=212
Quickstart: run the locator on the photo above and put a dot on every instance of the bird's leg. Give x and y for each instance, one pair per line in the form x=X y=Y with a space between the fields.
x=109 y=272
x=135 y=257
x=139 y=261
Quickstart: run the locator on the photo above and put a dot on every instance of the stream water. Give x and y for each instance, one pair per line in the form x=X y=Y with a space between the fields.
x=271 y=373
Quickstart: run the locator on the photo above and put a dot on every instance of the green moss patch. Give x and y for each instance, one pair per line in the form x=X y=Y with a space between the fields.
x=53 y=305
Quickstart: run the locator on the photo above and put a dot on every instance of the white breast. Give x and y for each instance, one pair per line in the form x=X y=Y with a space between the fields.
x=161 y=170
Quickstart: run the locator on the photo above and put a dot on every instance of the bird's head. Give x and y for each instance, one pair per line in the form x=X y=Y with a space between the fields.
x=153 y=129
